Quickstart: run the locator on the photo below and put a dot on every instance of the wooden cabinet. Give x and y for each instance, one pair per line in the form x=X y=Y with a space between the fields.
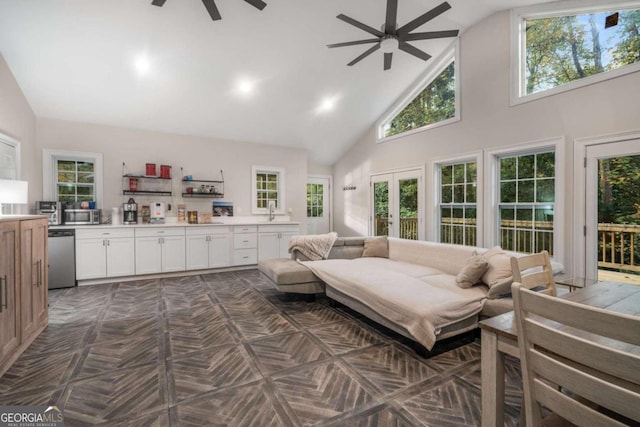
x=208 y=247
x=104 y=253
x=33 y=249
x=245 y=245
x=9 y=290
x=273 y=240
x=23 y=285
x=160 y=249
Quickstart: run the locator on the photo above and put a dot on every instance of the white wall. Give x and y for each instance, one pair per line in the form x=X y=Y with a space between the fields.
x=18 y=121
x=488 y=121
x=200 y=157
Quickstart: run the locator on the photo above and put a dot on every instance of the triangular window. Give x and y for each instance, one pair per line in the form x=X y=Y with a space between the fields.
x=432 y=101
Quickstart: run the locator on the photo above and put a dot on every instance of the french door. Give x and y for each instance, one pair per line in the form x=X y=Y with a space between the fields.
x=397 y=205
x=318 y=205
x=612 y=220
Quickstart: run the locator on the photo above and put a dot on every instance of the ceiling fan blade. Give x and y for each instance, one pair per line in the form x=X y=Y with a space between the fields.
x=212 y=9
x=406 y=47
x=430 y=35
x=365 y=54
x=424 y=18
x=257 y=3
x=387 y=60
x=360 y=25
x=392 y=16
x=353 y=43
x=158 y=2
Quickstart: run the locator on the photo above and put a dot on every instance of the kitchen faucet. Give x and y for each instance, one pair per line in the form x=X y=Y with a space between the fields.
x=272 y=207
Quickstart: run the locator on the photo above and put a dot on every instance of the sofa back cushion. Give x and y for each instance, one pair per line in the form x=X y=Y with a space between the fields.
x=347 y=248
x=445 y=257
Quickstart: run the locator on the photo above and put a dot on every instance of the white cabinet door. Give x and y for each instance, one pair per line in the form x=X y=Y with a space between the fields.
x=219 y=251
x=173 y=253
x=91 y=259
x=148 y=255
x=121 y=257
x=268 y=246
x=284 y=243
x=197 y=252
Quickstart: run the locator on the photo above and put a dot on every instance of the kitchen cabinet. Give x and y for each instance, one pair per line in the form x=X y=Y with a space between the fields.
x=245 y=244
x=273 y=240
x=104 y=253
x=160 y=249
x=208 y=247
x=33 y=274
x=23 y=285
x=9 y=291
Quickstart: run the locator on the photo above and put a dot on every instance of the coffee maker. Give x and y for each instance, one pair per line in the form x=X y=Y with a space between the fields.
x=130 y=212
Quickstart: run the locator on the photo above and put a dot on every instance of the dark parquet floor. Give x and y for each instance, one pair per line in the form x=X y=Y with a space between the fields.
x=227 y=349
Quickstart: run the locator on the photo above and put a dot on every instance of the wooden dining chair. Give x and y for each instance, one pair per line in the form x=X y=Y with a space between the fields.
x=534 y=271
x=591 y=353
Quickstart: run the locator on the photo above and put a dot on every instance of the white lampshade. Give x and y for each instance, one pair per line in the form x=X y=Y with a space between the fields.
x=12 y=191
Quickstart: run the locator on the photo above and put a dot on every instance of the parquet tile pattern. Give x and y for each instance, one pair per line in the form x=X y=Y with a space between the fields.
x=228 y=349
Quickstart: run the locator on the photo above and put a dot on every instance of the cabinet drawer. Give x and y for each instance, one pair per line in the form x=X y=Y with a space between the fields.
x=159 y=231
x=245 y=256
x=245 y=229
x=204 y=231
x=103 y=233
x=272 y=228
x=245 y=241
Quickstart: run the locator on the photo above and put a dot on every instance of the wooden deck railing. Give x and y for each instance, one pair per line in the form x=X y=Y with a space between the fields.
x=619 y=247
x=619 y=244
x=408 y=227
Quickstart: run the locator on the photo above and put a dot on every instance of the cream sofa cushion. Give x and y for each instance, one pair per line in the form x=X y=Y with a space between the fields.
x=376 y=247
x=473 y=270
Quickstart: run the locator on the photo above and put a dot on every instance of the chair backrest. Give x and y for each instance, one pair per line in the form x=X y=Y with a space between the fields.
x=541 y=273
x=592 y=354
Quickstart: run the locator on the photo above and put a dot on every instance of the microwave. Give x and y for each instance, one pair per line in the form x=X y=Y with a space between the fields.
x=82 y=216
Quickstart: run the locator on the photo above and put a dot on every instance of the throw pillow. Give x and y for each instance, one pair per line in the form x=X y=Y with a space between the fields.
x=376 y=247
x=499 y=268
x=501 y=289
x=472 y=271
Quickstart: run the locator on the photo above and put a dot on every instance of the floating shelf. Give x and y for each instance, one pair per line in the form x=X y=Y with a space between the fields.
x=202 y=180
x=204 y=195
x=145 y=177
x=157 y=193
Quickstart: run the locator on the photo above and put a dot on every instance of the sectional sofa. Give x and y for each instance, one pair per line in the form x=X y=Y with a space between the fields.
x=418 y=289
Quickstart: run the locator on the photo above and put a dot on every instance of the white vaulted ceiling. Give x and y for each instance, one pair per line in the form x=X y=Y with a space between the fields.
x=75 y=60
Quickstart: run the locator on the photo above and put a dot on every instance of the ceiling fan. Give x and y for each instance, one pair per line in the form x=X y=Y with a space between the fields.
x=392 y=36
x=213 y=10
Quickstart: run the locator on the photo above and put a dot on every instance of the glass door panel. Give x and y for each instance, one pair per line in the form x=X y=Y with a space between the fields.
x=381 y=205
x=408 y=208
x=613 y=212
x=397 y=204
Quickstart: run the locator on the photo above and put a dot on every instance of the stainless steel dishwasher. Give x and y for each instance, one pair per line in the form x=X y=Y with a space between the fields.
x=62 y=258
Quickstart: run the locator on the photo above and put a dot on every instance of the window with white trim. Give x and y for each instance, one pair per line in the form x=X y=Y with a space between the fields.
x=268 y=189
x=458 y=209
x=71 y=176
x=526 y=201
x=560 y=48
x=432 y=101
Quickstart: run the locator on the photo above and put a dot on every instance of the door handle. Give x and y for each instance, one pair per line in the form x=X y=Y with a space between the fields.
x=3 y=282
x=39 y=264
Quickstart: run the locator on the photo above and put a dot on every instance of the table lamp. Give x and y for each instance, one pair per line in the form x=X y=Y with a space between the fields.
x=13 y=191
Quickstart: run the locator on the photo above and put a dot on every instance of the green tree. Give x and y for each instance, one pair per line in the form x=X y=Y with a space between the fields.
x=435 y=103
x=628 y=49
x=618 y=189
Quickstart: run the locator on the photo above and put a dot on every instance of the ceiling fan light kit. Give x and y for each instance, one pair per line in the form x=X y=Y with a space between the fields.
x=211 y=7
x=392 y=38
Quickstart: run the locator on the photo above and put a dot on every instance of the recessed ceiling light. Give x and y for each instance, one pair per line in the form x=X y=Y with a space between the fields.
x=142 y=65
x=327 y=104
x=245 y=86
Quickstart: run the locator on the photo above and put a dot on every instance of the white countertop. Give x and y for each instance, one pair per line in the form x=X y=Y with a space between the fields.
x=217 y=221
